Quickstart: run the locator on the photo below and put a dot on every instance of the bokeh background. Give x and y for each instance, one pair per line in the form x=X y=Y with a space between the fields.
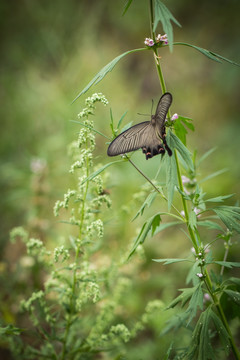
x=51 y=49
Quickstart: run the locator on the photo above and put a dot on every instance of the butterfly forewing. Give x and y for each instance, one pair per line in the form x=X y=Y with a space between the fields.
x=130 y=140
x=161 y=111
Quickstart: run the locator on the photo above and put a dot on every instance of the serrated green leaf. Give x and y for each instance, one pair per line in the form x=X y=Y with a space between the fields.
x=176 y=322
x=147 y=203
x=234 y=295
x=210 y=224
x=200 y=347
x=221 y=331
x=230 y=216
x=175 y=143
x=210 y=54
x=170 y=261
x=105 y=70
x=213 y=175
x=191 y=277
x=228 y=264
x=195 y=302
x=180 y=131
x=163 y=15
x=219 y=198
x=183 y=298
x=147 y=226
x=97 y=172
x=126 y=6
x=233 y=280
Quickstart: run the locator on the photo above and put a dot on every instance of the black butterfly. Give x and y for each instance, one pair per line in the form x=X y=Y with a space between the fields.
x=146 y=135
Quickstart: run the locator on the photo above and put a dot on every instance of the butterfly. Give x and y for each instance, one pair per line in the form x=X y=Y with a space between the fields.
x=150 y=136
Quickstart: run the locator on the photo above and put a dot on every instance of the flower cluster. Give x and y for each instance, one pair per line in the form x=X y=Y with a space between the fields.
x=159 y=39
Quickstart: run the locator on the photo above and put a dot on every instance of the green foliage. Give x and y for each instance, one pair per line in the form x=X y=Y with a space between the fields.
x=163 y=15
x=78 y=307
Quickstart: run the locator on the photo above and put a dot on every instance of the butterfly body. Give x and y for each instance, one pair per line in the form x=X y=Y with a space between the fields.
x=150 y=136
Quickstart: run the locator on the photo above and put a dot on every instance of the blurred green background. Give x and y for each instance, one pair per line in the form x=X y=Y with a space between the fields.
x=51 y=49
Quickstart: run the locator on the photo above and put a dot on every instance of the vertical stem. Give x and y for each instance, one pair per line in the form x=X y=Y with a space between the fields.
x=191 y=232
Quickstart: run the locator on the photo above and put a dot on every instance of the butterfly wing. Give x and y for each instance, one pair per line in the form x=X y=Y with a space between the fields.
x=142 y=135
x=161 y=112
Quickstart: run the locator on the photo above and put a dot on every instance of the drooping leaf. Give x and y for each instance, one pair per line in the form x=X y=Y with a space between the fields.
x=171 y=173
x=163 y=15
x=234 y=295
x=98 y=171
x=105 y=70
x=232 y=280
x=230 y=216
x=175 y=143
x=151 y=223
x=210 y=54
x=147 y=203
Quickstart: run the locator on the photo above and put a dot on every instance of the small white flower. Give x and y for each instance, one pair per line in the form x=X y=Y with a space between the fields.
x=149 y=42
x=197 y=211
x=185 y=179
x=174 y=117
x=200 y=275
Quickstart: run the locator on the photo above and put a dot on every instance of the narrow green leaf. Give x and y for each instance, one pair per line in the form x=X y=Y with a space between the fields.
x=210 y=224
x=234 y=295
x=97 y=172
x=171 y=173
x=10 y=330
x=126 y=6
x=180 y=129
x=167 y=356
x=121 y=119
x=163 y=15
x=175 y=143
x=213 y=175
x=105 y=70
x=155 y=223
x=147 y=226
x=227 y=264
x=204 y=156
x=230 y=216
x=147 y=203
x=219 y=198
x=210 y=54
x=233 y=280
x=192 y=219
x=170 y=261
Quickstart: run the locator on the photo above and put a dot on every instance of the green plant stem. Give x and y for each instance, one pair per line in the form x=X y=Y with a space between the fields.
x=190 y=230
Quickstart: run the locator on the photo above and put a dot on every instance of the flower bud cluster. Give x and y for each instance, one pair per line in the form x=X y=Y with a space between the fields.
x=159 y=39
